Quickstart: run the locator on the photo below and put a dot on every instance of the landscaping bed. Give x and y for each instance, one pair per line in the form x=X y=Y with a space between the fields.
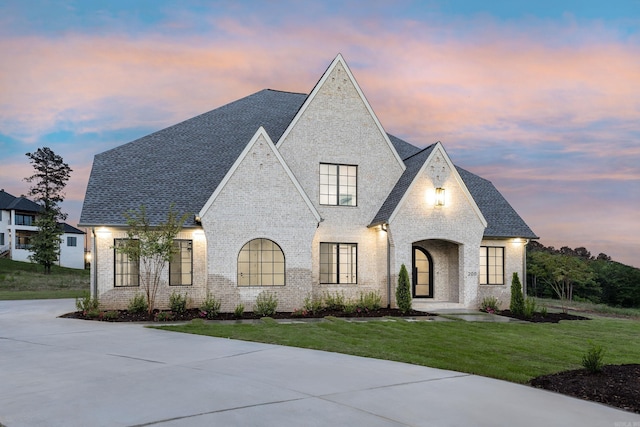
x=615 y=385
x=194 y=313
x=538 y=317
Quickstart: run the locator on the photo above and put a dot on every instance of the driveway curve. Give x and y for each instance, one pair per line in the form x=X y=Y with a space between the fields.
x=67 y=372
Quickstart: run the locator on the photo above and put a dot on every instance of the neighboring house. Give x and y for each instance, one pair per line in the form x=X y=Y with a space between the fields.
x=17 y=227
x=302 y=195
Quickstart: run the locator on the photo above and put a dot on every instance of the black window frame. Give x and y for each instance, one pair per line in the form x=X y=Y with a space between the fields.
x=337 y=201
x=337 y=263
x=118 y=257
x=72 y=239
x=172 y=262
x=486 y=267
x=22 y=217
x=247 y=248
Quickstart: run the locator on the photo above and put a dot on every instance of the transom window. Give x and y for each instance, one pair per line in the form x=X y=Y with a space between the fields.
x=126 y=270
x=338 y=184
x=261 y=263
x=491 y=265
x=338 y=263
x=181 y=264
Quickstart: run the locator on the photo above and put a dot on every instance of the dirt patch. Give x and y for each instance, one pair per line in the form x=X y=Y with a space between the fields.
x=616 y=385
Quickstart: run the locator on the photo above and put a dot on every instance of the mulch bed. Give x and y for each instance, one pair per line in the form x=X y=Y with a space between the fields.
x=126 y=316
x=538 y=318
x=615 y=385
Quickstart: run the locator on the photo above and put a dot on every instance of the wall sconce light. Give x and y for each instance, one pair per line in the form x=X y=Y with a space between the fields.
x=384 y=227
x=439 y=196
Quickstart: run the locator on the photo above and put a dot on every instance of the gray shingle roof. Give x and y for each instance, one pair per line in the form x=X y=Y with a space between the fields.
x=184 y=163
x=66 y=228
x=9 y=202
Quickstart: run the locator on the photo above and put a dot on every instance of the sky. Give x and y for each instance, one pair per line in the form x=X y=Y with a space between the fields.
x=540 y=97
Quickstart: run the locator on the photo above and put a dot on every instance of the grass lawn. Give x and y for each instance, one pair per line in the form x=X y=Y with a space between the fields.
x=24 y=280
x=514 y=352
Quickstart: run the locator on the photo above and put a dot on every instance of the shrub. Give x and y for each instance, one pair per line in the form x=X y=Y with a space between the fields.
x=349 y=307
x=238 y=311
x=370 y=301
x=592 y=361
x=334 y=302
x=517 y=299
x=490 y=304
x=403 y=291
x=178 y=302
x=266 y=304
x=138 y=304
x=543 y=311
x=111 y=315
x=529 y=308
x=311 y=305
x=94 y=313
x=210 y=306
x=86 y=303
x=163 y=316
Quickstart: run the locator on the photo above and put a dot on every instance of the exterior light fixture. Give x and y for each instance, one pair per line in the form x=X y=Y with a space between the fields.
x=439 y=196
x=384 y=227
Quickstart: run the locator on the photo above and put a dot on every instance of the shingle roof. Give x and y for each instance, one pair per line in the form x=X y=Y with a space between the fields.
x=66 y=228
x=184 y=163
x=9 y=202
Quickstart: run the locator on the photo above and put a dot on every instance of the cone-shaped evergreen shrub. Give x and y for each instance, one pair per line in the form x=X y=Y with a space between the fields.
x=517 y=299
x=403 y=291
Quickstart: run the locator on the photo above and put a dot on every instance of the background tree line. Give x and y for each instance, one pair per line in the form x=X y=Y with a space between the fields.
x=580 y=276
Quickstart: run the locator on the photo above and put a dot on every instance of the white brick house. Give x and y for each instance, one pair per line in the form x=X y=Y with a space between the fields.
x=302 y=195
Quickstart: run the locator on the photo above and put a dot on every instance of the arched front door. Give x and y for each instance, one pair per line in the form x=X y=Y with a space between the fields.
x=422 y=273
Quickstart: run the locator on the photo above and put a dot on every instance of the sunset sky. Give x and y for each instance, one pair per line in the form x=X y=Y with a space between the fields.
x=541 y=97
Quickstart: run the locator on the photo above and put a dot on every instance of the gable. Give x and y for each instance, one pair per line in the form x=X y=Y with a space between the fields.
x=258 y=179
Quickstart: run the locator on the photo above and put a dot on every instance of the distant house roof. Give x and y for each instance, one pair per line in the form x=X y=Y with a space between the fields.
x=184 y=164
x=9 y=202
x=68 y=229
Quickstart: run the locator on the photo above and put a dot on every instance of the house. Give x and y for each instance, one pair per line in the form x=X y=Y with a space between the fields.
x=302 y=195
x=18 y=225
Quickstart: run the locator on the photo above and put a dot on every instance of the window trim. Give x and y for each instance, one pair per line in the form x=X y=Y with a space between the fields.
x=179 y=252
x=337 y=185
x=260 y=275
x=73 y=239
x=485 y=273
x=116 y=262
x=336 y=265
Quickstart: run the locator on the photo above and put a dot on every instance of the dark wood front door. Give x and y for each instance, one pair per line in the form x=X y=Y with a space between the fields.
x=422 y=273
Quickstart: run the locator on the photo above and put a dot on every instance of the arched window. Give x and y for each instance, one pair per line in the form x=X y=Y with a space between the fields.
x=261 y=263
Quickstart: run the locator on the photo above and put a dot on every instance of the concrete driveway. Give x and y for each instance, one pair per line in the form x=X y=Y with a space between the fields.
x=65 y=372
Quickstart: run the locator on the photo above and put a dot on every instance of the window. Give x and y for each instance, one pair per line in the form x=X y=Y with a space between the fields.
x=25 y=219
x=491 y=265
x=338 y=185
x=126 y=269
x=23 y=239
x=181 y=265
x=72 y=241
x=261 y=263
x=1 y=239
x=338 y=262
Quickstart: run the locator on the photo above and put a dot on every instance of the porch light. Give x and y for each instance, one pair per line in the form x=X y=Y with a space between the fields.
x=384 y=227
x=439 y=196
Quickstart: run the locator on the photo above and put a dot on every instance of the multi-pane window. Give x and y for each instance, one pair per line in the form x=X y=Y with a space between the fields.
x=338 y=184
x=22 y=219
x=181 y=265
x=1 y=239
x=338 y=263
x=72 y=241
x=491 y=265
x=126 y=270
x=261 y=263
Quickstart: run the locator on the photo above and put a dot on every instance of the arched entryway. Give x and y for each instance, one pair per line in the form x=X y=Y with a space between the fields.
x=422 y=273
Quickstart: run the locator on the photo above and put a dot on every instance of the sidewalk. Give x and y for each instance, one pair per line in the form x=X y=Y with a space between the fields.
x=66 y=372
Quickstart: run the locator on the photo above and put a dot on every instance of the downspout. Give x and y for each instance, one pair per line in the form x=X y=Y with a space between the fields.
x=94 y=265
x=388 y=268
x=524 y=266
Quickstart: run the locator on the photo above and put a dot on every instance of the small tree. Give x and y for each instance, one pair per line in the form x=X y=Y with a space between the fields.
x=517 y=299
x=152 y=246
x=50 y=178
x=403 y=291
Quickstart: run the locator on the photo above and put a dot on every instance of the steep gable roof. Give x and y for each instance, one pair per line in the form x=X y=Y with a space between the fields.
x=68 y=229
x=182 y=164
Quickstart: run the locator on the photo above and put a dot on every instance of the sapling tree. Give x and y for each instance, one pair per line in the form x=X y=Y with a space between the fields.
x=403 y=291
x=517 y=299
x=48 y=182
x=152 y=247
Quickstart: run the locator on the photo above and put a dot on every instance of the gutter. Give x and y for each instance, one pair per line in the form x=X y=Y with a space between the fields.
x=94 y=265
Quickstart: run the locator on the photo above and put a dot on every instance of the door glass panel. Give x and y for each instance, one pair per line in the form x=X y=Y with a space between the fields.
x=421 y=267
